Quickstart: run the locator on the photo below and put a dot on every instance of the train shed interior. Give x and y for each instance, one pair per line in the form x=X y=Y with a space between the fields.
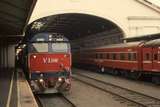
x=82 y=30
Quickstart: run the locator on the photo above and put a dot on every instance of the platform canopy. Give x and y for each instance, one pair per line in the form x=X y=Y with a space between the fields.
x=14 y=16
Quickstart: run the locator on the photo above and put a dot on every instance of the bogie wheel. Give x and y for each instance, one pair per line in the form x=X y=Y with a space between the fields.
x=156 y=80
x=135 y=75
x=115 y=72
x=102 y=69
x=127 y=74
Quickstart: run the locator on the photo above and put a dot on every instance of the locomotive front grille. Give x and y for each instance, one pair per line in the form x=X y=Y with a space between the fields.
x=46 y=75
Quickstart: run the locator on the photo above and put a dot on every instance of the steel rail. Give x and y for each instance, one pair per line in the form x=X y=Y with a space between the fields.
x=50 y=97
x=130 y=95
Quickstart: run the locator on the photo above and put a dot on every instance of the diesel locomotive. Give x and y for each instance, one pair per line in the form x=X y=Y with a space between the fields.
x=46 y=59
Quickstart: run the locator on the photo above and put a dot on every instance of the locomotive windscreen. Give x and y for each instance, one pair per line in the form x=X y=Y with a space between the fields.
x=49 y=47
x=39 y=47
x=60 y=47
x=47 y=42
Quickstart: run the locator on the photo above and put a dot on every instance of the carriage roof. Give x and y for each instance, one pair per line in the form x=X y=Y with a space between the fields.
x=121 y=45
x=152 y=43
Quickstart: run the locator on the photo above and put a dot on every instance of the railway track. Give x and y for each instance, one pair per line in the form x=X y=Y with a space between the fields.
x=141 y=100
x=54 y=100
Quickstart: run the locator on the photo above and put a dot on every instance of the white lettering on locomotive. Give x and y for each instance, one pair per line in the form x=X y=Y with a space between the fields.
x=50 y=60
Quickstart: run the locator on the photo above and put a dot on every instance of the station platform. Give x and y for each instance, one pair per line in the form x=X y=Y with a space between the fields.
x=15 y=90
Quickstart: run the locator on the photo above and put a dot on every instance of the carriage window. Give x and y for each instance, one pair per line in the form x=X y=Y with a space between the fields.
x=60 y=47
x=111 y=55
x=101 y=56
x=155 y=56
x=129 y=56
x=134 y=56
x=147 y=56
x=39 y=47
x=96 y=56
x=114 y=56
x=122 y=56
x=107 y=57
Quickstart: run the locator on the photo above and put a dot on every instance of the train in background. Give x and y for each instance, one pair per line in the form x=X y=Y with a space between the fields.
x=46 y=59
x=132 y=59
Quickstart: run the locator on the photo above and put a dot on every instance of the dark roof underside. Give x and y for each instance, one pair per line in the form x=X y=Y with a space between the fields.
x=14 y=15
x=72 y=25
x=143 y=38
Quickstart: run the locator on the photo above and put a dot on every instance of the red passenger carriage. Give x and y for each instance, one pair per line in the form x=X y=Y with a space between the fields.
x=130 y=59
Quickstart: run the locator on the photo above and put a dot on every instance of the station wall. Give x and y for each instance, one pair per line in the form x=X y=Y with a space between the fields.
x=7 y=54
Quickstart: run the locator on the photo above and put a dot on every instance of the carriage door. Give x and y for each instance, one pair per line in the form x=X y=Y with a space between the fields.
x=147 y=59
x=155 y=59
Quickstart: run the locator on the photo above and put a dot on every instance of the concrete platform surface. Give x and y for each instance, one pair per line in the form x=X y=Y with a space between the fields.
x=15 y=90
x=5 y=81
x=25 y=95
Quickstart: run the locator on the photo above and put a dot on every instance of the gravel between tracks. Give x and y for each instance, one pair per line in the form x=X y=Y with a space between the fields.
x=54 y=100
x=140 y=86
x=83 y=95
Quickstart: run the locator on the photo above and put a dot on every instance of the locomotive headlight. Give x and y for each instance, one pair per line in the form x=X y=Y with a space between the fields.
x=66 y=55
x=34 y=56
x=60 y=79
x=41 y=80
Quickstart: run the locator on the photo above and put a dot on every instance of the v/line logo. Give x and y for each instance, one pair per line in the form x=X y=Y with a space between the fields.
x=50 y=60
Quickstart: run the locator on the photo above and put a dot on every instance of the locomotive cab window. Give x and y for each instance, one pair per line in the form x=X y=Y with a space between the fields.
x=38 y=47
x=60 y=47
